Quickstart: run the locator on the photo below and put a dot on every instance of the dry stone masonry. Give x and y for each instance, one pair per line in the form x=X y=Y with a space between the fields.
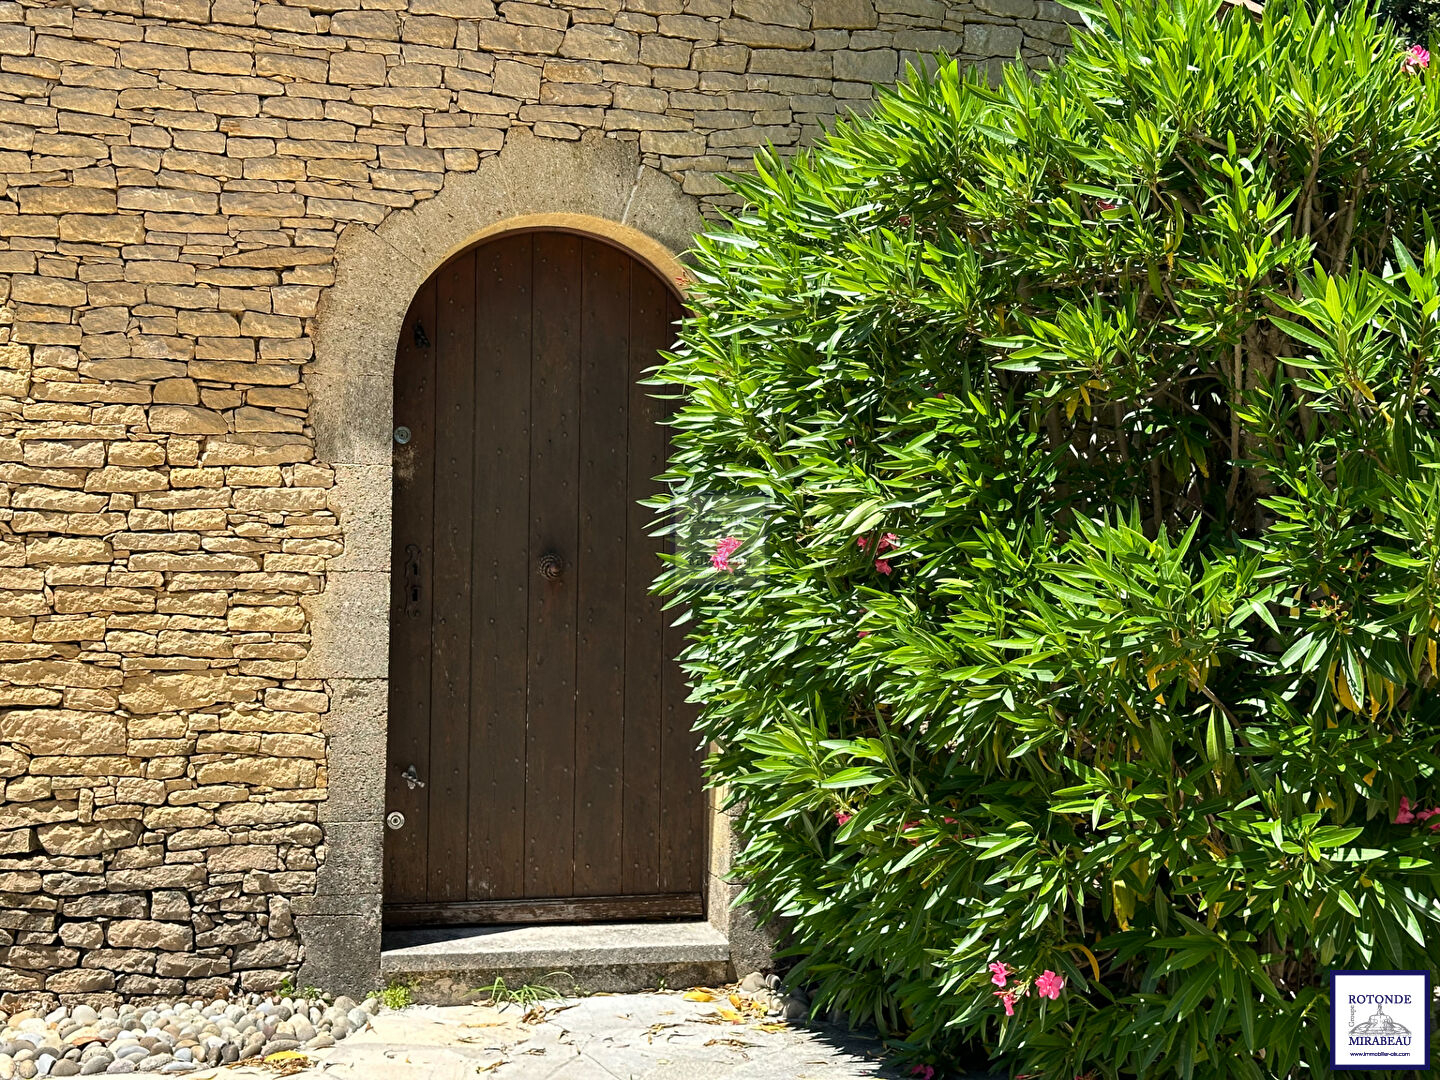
x=174 y=177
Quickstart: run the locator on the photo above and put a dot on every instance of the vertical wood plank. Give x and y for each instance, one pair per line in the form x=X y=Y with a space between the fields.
x=448 y=779
x=501 y=569
x=554 y=461
x=644 y=655
x=408 y=735
x=547 y=717
x=682 y=799
x=600 y=570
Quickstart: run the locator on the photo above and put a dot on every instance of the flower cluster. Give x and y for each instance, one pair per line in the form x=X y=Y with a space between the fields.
x=888 y=542
x=723 y=550
x=1406 y=814
x=1048 y=985
x=1415 y=59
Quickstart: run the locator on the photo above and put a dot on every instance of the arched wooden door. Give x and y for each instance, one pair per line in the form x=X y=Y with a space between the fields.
x=541 y=764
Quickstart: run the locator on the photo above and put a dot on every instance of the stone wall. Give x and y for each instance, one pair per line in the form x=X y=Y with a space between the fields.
x=174 y=179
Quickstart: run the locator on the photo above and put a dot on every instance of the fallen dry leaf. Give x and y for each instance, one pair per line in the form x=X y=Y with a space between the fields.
x=284 y=1062
x=698 y=995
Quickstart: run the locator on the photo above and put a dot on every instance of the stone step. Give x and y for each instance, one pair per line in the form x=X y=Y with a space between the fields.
x=448 y=966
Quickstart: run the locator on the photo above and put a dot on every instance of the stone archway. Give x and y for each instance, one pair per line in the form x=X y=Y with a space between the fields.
x=595 y=186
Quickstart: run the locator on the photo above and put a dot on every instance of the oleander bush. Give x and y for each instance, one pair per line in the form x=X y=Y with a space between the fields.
x=1056 y=494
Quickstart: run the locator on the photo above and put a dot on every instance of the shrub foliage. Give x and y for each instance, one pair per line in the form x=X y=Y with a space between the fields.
x=1057 y=494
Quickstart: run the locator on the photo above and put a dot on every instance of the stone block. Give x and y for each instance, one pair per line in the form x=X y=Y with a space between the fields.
x=61 y=731
x=875 y=65
x=149 y=934
x=376 y=25
x=355 y=726
x=342 y=952
x=278 y=953
x=530 y=40
x=587 y=41
x=989 y=39
x=849 y=14
x=111 y=229
x=72 y=838
x=349 y=623
x=280 y=773
x=187 y=420
x=158 y=693
x=1022 y=10
x=80 y=981
x=764 y=35
x=189 y=966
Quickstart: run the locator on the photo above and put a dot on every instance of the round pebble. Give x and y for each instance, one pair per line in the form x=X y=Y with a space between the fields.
x=172 y=1038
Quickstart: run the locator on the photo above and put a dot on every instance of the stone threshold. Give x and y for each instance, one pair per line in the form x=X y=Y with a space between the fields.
x=448 y=966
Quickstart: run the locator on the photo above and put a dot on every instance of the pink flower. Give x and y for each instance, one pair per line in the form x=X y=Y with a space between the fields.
x=723 y=550
x=1403 y=816
x=1008 y=1000
x=925 y=1072
x=1425 y=815
x=862 y=633
x=882 y=566
x=1049 y=985
x=1415 y=59
x=888 y=541
x=999 y=973
x=1105 y=204
x=841 y=817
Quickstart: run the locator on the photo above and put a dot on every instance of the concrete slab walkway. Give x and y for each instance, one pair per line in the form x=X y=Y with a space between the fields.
x=654 y=1036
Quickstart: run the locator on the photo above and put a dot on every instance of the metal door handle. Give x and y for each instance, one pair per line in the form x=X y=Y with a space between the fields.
x=412 y=778
x=551 y=566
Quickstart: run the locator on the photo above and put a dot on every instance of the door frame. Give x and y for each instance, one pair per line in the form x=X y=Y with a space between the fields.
x=669 y=902
x=597 y=187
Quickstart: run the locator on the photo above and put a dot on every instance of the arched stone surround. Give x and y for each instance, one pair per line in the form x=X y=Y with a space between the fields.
x=596 y=186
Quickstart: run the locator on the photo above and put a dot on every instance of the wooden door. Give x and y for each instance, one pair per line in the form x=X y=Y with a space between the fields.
x=533 y=691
